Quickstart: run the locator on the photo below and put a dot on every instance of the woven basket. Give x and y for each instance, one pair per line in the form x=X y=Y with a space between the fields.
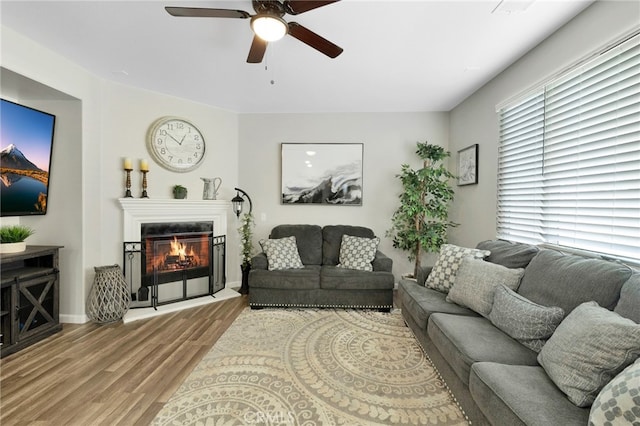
x=109 y=297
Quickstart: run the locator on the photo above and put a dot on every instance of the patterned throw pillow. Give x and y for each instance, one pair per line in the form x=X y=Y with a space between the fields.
x=476 y=282
x=590 y=347
x=282 y=253
x=443 y=274
x=527 y=322
x=619 y=401
x=358 y=252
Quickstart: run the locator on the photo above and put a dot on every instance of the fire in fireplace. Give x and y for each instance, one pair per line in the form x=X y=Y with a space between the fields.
x=176 y=251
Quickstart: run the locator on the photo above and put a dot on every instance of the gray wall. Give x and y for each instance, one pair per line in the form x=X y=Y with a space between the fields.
x=475 y=120
x=389 y=141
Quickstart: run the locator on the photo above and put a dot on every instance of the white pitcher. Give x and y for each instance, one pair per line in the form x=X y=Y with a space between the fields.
x=211 y=186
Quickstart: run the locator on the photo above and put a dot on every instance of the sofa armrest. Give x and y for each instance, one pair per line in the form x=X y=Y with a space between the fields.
x=423 y=273
x=381 y=262
x=259 y=261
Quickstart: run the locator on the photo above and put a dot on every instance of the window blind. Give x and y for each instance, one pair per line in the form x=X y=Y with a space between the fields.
x=569 y=159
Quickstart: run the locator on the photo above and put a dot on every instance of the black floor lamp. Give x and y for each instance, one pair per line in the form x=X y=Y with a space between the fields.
x=245 y=234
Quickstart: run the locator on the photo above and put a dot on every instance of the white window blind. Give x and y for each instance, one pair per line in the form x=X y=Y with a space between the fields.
x=569 y=159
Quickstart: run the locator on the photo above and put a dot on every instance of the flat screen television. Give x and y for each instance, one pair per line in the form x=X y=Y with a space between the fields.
x=26 y=144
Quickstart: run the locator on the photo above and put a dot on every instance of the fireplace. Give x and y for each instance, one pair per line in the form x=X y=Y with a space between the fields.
x=175 y=251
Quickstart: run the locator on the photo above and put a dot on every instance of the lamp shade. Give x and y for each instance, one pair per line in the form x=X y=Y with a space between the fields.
x=269 y=27
x=238 y=200
x=236 y=203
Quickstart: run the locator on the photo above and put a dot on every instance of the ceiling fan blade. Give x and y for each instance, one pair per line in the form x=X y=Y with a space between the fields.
x=319 y=43
x=295 y=7
x=200 y=12
x=256 y=53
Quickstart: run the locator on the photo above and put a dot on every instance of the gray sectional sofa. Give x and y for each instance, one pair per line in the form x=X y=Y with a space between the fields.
x=320 y=282
x=497 y=379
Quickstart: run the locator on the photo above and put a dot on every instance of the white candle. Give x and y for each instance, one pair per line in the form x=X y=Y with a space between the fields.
x=144 y=165
x=127 y=164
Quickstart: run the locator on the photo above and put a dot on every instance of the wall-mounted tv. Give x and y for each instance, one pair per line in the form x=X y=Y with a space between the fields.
x=26 y=142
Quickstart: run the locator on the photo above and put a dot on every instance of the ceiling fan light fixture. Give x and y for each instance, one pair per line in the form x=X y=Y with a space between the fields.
x=269 y=27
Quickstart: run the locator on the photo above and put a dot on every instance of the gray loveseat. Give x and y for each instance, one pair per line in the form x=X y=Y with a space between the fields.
x=496 y=379
x=320 y=283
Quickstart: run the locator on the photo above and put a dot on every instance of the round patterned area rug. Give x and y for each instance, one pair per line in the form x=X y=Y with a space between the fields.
x=313 y=367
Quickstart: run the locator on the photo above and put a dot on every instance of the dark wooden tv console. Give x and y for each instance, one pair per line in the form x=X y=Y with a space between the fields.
x=29 y=297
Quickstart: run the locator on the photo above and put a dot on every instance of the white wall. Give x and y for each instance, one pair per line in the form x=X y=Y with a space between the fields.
x=127 y=114
x=99 y=123
x=389 y=141
x=73 y=217
x=475 y=120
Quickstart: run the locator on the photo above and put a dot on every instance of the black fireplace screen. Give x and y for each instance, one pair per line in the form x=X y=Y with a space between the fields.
x=175 y=252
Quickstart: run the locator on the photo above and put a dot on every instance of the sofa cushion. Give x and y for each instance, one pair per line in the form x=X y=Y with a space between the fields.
x=420 y=302
x=308 y=239
x=590 y=347
x=556 y=279
x=629 y=304
x=619 y=401
x=508 y=253
x=332 y=240
x=332 y=277
x=476 y=282
x=527 y=322
x=358 y=252
x=520 y=394
x=307 y=278
x=282 y=253
x=443 y=274
x=382 y=262
x=464 y=340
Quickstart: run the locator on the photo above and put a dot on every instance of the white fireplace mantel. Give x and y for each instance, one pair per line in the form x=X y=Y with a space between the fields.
x=137 y=211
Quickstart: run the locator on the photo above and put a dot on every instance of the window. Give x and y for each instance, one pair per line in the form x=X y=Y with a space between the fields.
x=569 y=158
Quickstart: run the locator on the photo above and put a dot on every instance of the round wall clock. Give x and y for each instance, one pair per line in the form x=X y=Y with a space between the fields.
x=176 y=144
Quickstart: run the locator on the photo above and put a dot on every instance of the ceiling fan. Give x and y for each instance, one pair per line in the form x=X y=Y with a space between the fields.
x=268 y=24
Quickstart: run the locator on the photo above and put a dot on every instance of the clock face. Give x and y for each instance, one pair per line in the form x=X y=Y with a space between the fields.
x=176 y=144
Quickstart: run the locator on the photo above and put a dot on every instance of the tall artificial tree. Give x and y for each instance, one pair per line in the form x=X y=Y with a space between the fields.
x=421 y=222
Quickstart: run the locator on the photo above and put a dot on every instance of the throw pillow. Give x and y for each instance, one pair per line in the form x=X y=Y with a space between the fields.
x=443 y=274
x=358 y=252
x=282 y=253
x=527 y=322
x=589 y=348
x=619 y=400
x=476 y=282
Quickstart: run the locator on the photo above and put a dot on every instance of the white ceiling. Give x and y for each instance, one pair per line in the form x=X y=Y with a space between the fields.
x=398 y=55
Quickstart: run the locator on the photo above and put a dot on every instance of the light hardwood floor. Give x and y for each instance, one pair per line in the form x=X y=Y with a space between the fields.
x=116 y=374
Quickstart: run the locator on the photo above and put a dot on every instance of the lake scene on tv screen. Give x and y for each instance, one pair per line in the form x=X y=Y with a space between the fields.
x=25 y=155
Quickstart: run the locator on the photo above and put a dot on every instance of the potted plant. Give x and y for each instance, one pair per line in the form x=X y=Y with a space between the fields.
x=246 y=245
x=179 y=192
x=421 y=222
x=12 y=238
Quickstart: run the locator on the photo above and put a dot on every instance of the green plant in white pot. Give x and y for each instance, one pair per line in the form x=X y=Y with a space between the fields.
x=12 y=238
x=421 y=222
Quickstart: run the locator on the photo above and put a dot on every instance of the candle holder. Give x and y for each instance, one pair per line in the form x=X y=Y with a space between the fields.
x=127 y=193
x=144 y=183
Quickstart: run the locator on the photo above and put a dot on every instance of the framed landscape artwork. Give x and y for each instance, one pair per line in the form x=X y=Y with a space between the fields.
x=468 y=165
x=322 y=173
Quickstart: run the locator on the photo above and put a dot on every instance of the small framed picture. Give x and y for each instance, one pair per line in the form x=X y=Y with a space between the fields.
x=468 y=165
